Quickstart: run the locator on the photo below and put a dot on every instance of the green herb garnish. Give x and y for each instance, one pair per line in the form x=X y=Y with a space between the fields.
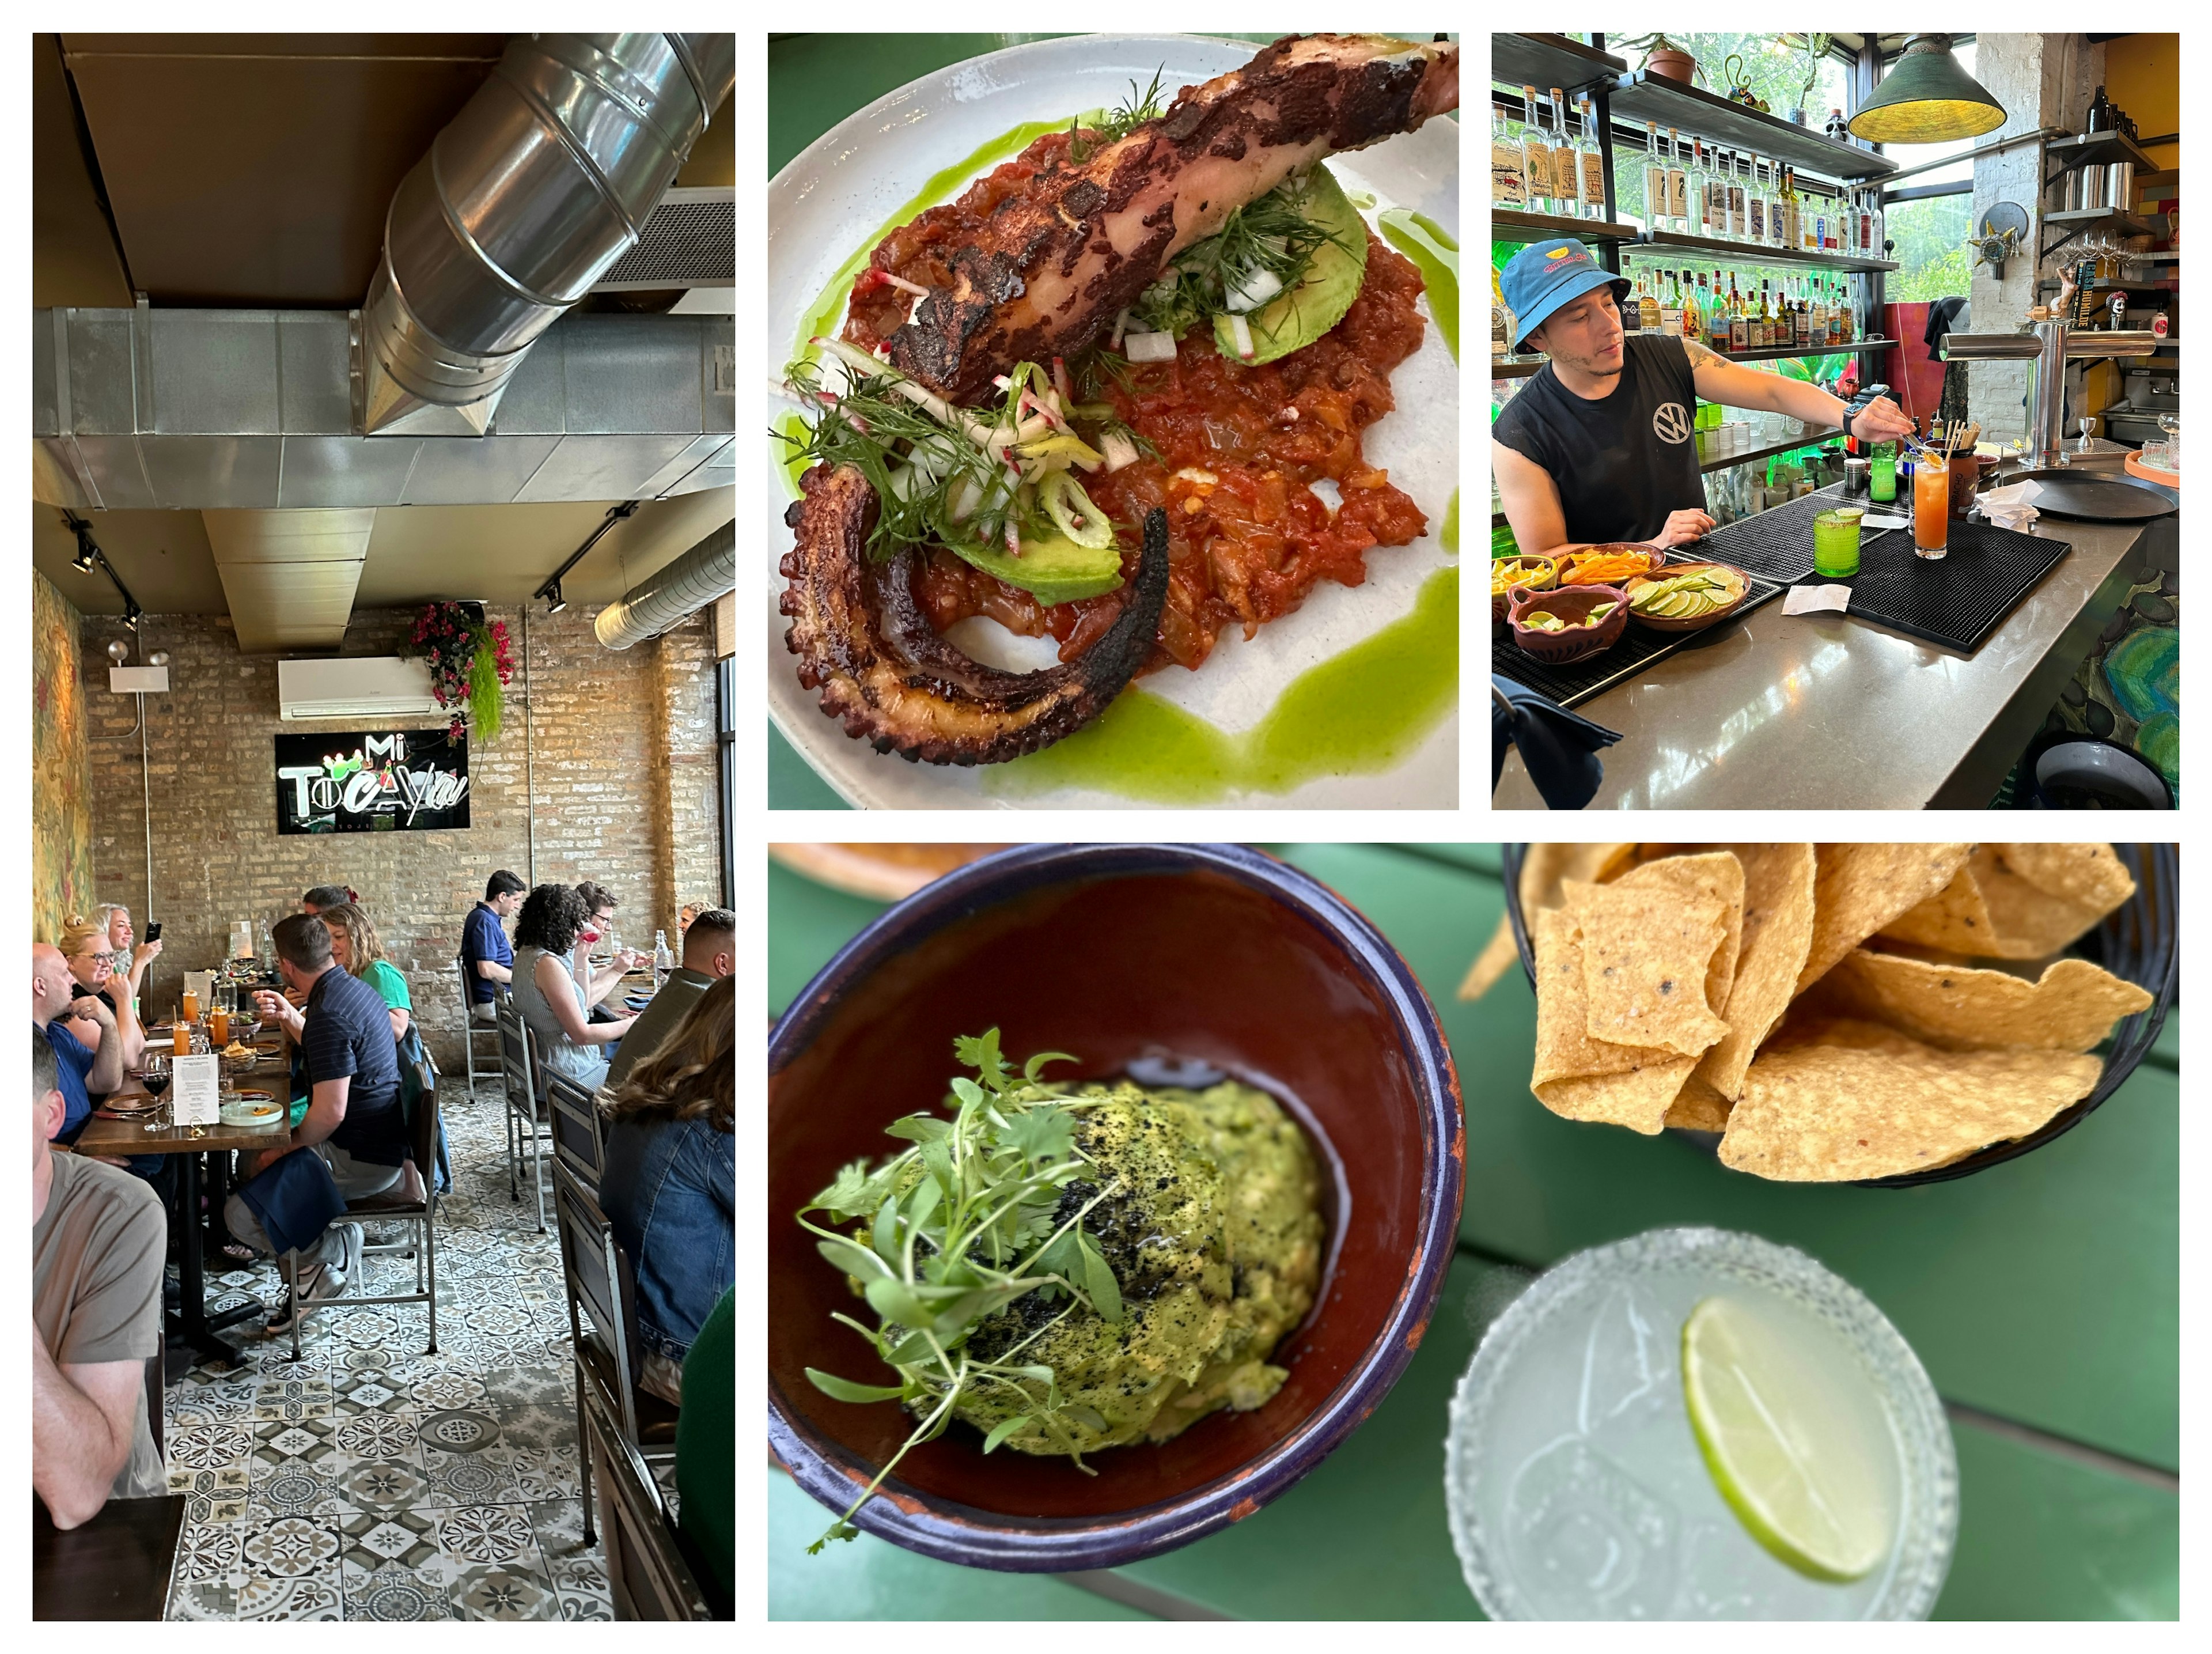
x=1271 y=236
x=1111 y=128
x=956 y=1228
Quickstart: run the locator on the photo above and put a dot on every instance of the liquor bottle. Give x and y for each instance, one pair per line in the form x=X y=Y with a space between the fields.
x=1509 y=180
x=1758 y=203
x=1716 y=191
x=1800 y=323
x=1739 y=318
x=2100 y=113
x=1774 y=209
x=1880 y=232
x=1536 y=155
x=1678 y=185
x=1791 y=237
x=1739 y=212
x=1593 y=164
x=1654 y=179
x=1567 y=166
x=1670 y=309
x=1820 y=319
x=1777 y=330
x=1650 y=303
x=1716 y=317
x=1693 y=309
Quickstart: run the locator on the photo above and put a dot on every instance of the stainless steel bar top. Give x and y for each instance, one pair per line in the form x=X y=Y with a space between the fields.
x=1825 y=712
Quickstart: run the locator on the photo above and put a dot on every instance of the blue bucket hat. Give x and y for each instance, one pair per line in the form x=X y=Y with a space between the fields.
x=1541 y=278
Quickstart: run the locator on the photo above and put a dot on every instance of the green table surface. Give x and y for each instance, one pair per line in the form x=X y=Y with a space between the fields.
x=2043 y=1295
x=815 y=81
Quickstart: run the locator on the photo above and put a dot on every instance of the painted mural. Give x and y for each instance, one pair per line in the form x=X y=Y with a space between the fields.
x=61 y=802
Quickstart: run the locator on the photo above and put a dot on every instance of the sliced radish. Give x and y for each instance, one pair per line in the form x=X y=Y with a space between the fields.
x=1150 y=346
x=1241 y=330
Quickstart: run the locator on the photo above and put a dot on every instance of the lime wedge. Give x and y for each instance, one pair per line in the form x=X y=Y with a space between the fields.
x=1793 y=1451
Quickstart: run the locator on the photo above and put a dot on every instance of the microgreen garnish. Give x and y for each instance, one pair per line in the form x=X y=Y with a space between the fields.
x=960 y=1226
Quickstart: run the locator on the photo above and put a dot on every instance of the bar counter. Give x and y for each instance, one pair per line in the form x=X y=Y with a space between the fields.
x=1827 y=712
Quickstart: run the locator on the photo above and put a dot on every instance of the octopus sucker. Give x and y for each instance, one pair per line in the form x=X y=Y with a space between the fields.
x=864 y=642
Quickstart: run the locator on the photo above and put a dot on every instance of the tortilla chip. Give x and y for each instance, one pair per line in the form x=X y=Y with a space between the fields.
x=2071 y=1008
x=1577 y=1076
x=1778 y=933
x=1546 y=868
x=1499 y=955
x=2029 y=920
x=1858 y=888
x=1647 y=949
x=1716 y=875
x=1955 y=918
x=1698 y=1107
x=1639 y=1099
x=1848 y=1100
x=2088 y=875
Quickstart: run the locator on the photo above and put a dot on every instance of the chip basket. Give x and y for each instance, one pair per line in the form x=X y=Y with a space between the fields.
x=2139 y=941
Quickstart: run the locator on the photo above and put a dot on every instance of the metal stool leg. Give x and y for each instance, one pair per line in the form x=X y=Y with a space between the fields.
x=583 y=1456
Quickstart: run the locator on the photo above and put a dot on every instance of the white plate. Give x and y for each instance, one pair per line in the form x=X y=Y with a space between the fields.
x=856 y=175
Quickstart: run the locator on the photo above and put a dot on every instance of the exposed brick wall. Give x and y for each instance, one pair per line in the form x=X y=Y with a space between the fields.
x=611 y=739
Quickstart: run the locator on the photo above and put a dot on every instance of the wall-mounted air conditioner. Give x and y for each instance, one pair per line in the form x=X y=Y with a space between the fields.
x=373 y=688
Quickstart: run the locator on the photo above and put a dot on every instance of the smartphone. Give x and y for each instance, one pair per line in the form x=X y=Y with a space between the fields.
x=154 y=931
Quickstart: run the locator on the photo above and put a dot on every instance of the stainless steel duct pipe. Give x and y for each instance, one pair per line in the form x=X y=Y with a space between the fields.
x=544 y=179
x=664 y=599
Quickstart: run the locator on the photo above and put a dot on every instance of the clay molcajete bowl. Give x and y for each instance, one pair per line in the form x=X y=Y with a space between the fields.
x=1570 y=604
x=1124 y=955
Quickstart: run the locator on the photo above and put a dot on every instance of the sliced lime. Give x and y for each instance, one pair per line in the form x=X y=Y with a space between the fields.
x=1794 y=1452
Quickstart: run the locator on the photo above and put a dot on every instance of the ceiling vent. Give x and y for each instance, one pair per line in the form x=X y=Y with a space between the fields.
x=377 y=689
x=690 y=240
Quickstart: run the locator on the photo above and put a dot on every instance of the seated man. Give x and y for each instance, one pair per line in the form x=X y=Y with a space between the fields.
x=598 y=926
x=487 y=956
x=354 y=1119
x=710 y=949
x=98 y=1237
x=83 y=1071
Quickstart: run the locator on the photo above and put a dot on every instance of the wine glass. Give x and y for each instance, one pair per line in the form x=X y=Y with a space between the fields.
x=157 y=1081
x=2171 y=424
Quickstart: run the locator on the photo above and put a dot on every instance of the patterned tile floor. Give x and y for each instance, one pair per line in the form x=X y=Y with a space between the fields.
x=369 y=1480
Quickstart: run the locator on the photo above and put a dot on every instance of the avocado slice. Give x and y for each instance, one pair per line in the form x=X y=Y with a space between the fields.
x=1290 y=321
x=1053 y=570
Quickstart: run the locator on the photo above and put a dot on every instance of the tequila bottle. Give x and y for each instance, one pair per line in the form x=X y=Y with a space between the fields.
x=1509 y=180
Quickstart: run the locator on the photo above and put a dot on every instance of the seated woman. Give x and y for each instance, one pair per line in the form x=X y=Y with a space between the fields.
x=356 y=951
x=84 y=943
x=131 y=962
x=669 y=1186
x=566 y=1041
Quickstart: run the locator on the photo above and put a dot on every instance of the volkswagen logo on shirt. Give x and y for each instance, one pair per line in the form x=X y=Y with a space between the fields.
x=1670 y=422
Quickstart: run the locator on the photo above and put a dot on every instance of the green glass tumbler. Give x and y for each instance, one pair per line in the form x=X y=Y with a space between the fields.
x=1836 y=541
x=1881 y=479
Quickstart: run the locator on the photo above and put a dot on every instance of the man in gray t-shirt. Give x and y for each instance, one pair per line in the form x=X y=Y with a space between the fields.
x=709 y=951
x=98 y=1235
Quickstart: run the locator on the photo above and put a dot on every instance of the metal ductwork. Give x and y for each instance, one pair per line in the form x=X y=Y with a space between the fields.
x=289 y=576
x=546 y=178
x=665 y=598
x=185 y=410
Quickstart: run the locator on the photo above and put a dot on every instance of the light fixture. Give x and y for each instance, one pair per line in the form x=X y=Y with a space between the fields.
x=553 y=601
x=1927 y=98
x=119 y=652
x=130 y=614
x=87 y=552
x=159 y=658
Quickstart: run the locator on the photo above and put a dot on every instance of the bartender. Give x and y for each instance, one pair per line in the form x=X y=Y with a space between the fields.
x=1599 y=445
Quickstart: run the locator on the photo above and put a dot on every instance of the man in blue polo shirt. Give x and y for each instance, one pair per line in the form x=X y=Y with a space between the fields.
x=82 y=1072
x=354 y=1119
x=487 y=956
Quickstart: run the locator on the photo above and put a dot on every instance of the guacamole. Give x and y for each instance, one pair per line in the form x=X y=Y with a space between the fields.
x=1214 y=1238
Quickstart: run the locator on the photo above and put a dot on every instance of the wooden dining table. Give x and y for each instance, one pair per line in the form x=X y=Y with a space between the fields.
x=104 y=1134
x=116 y=1566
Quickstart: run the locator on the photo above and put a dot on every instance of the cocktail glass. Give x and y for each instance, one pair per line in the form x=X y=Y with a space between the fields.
x=1836 y=541
x=1881 y=478
x=1573 y=1477
x=1931 y=508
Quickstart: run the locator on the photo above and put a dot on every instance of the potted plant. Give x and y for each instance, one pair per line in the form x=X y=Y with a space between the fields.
x=1663 y=57
x=470 y=665
x=1816 y=47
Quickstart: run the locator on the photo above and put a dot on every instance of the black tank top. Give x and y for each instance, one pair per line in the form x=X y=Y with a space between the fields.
x=1625 y=461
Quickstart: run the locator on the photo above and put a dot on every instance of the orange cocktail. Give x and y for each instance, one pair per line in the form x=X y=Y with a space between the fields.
x=191 y=1011
x=1931 y=507
x=219 y=1026
x=180 y=1043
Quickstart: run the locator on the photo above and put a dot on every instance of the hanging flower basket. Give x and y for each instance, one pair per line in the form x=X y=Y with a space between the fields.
x=469 y=665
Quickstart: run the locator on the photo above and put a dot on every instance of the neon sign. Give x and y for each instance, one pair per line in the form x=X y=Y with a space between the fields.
x=392 y=780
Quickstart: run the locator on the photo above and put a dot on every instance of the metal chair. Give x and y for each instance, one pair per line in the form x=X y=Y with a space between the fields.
x=602 y=1288
x=472 y=1030
x=578 y=1142
x=647 y=1575
x=517 y=1065
x=420 y=1214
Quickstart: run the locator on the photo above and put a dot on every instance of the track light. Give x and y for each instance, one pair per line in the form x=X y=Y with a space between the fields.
x=553 y=601
x=130 y=614
x=86 y=552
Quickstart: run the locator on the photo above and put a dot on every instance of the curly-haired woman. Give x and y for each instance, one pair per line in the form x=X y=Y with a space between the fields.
x=669 y=1186
x=568 y=1042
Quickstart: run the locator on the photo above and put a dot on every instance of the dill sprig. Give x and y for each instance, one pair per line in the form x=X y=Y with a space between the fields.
x=1273 y=234
x=1111 y=127
x=959 y=1226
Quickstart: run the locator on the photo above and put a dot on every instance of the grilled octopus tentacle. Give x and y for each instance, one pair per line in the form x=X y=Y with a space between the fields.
x=863 y=640
x=1080 y=243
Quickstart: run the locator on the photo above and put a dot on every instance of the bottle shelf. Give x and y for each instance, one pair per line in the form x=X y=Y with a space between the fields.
x=1645 y=96
x=1749 y=253
x=1813 y=436
x=1523 y=367
x=1545 y=60
x=1547 y=226
x=2096 y=149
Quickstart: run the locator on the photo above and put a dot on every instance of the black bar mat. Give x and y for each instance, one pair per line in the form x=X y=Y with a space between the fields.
x=1576 y=681
x=1958 y=601
x=1776 y=545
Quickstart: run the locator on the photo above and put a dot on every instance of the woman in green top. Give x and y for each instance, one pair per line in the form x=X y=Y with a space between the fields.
x=355 y=949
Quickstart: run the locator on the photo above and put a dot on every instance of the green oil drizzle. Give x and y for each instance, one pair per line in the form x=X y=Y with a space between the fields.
x=1435 y=252
x=1448 y=536
x=1359 y=712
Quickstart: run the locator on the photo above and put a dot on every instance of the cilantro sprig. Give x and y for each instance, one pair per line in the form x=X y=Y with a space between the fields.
x=960 y=1226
